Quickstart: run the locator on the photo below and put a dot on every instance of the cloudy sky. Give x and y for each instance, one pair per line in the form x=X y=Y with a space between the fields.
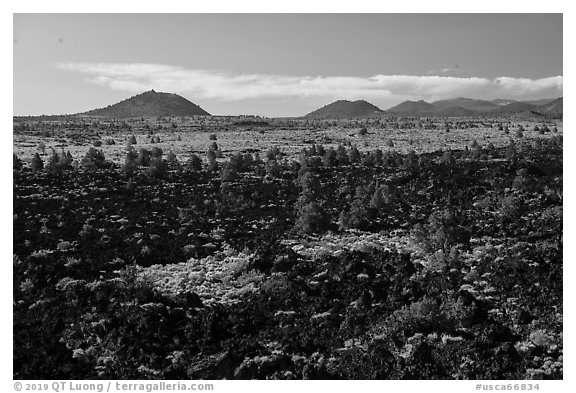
x=282 y=64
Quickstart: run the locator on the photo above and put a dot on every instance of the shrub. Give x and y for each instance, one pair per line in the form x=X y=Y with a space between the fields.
x=363 y=131
x=448 y=158
x=419 y=317
x=97 y=143
x=213 y=137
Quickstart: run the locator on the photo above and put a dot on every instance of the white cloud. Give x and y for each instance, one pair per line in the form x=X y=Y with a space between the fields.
x=228 y=86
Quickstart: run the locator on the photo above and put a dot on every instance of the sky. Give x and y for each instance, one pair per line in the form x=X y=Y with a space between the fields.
x=281 y=64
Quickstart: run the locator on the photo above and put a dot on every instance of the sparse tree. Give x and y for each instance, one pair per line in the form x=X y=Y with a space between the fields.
x=156 y=152
x=94 y=159
x=37 y=164
x=195 y=163
x=143 y=158
x=342 y=155
x=354 y=155
x=212 y=163
x=329 y=158
x=130 y=161
x=311 y=219
x=16 y=162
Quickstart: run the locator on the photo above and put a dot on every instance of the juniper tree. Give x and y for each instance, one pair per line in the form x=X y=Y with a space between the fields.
x=156 y=152
x=273 y=169
x=342 y=155
x=329 y=158
x=130 y=161
x=172 y=160
x=311 y=219
x=16 y=162
x=273 y=153
x=194 y=163
x=37 y=164
x=143 y=157
x=94 y=159
x=53 y=160
x=354 y=155
x=212 y=163
x=158 y=168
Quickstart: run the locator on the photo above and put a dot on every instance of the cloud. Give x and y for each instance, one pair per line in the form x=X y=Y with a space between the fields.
x=227 y=86
x=446 y=71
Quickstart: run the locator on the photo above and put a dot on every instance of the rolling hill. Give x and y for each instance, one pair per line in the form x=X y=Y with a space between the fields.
x=150 y=103
x=552 y=108
x=343 y=109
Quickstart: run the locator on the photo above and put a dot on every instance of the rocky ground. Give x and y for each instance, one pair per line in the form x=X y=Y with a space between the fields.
x=442 y=265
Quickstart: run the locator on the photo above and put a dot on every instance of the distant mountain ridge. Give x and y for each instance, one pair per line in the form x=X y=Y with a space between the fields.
x=150 y=103
x=409 y=107
x=465 y=107
x=466 y=103
x=343 y=109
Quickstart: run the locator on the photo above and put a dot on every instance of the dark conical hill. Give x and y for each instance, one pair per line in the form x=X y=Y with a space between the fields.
x=150 y=103
x=343 y=109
